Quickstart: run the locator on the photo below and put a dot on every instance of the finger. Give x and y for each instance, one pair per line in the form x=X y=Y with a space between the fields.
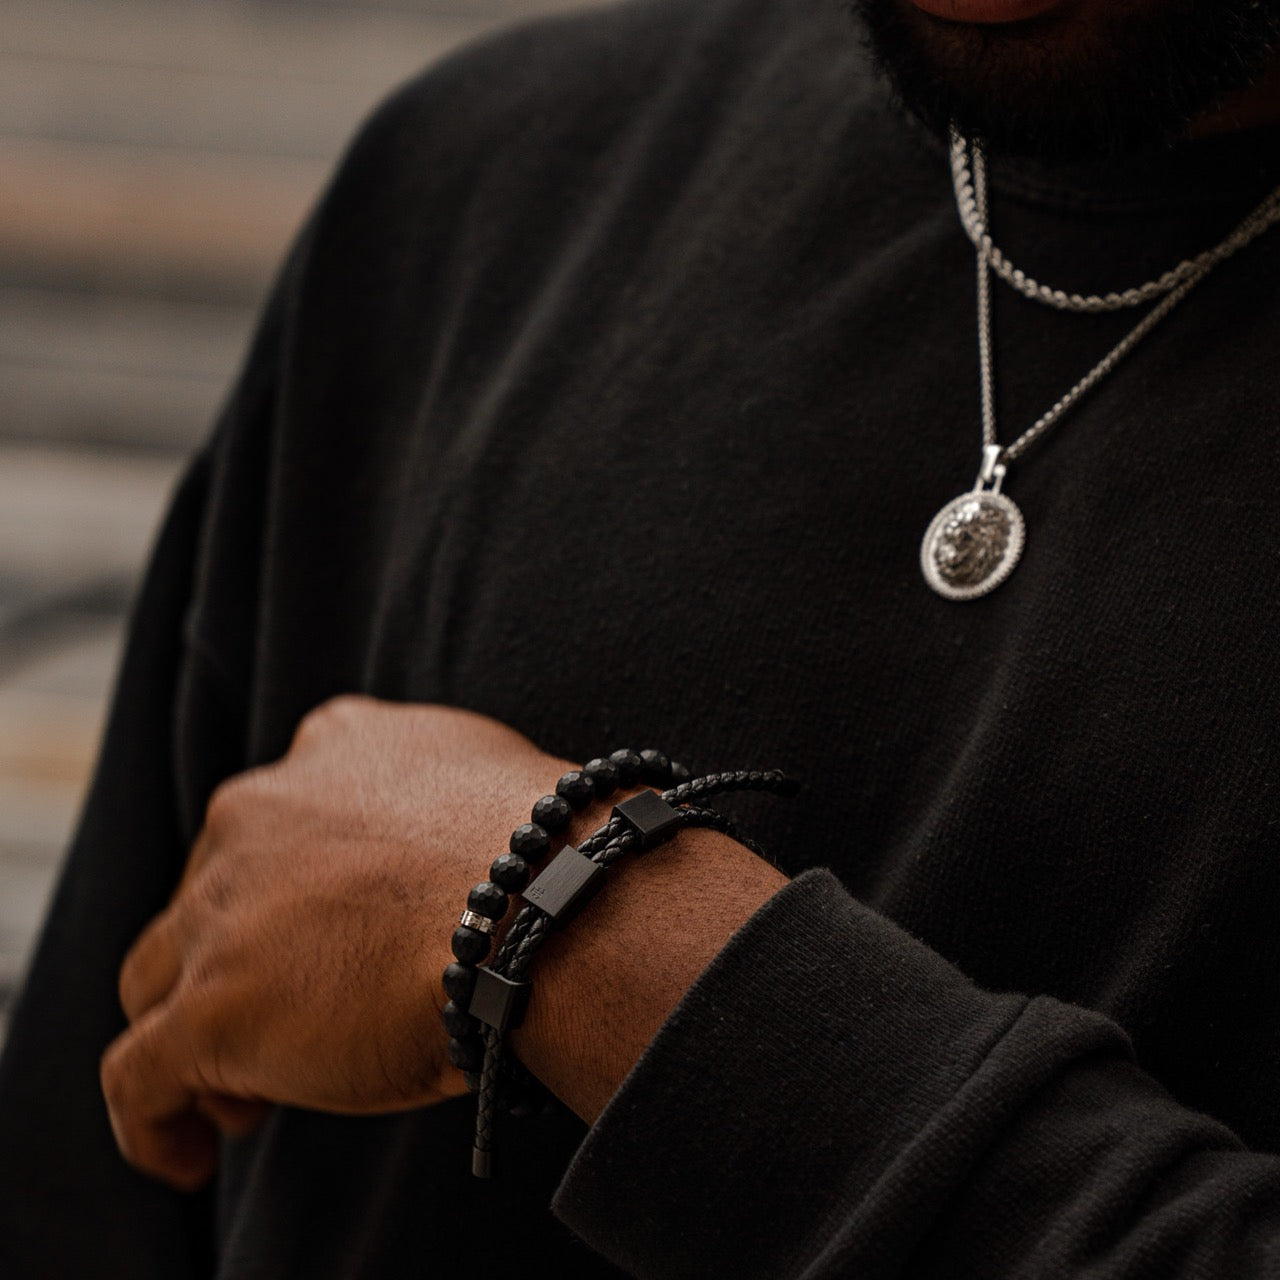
x=154 y=962
x=201 y=851
x=151 y=1087
x=151 y=968
x=236 y=1117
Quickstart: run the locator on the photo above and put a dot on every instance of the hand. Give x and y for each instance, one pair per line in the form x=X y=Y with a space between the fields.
x=299 y=960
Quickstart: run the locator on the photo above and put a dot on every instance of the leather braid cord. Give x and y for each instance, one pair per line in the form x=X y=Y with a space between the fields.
x=487 y=1098
x=687 y=792
x=604 y=847
x=514 y=963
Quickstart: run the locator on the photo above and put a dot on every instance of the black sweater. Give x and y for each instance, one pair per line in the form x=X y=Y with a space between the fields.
x=609 y=392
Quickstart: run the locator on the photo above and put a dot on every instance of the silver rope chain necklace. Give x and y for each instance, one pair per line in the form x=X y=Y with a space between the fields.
x=974 y=542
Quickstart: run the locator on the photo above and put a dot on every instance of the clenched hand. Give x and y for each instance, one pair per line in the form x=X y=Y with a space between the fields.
x=299 y=960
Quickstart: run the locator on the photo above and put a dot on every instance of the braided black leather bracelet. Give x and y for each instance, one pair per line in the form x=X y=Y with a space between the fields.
x=484 y=1002
x=510 y=873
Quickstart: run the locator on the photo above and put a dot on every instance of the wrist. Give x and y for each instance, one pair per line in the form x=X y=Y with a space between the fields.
x=562 y=816
x=605 y=985
x=607 y=991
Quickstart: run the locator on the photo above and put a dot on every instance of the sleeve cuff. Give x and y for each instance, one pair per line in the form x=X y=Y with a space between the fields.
x=814 y=1049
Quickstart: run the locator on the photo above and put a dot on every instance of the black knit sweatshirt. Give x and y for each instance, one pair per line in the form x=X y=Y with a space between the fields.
x=609 y=392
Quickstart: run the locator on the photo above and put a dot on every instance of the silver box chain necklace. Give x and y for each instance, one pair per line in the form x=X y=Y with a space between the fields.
x=973 y=544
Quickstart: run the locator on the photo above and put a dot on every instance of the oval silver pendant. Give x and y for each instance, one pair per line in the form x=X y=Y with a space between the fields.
x=972 y=544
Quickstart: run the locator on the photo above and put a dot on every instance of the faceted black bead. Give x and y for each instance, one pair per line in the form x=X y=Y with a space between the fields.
x=576 y=788
x=488 y=899
x=603 y=775
x=467 y=1054
x=655 y=768
x=458 y=1022
x=552 y=813
x=459 y=983
x=510 y=871
x=470 y=945
x=679 y=772
x=530 y=841
x=629 y=766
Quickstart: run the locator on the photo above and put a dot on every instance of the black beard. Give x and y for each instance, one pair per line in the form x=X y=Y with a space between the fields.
x=1055 y=88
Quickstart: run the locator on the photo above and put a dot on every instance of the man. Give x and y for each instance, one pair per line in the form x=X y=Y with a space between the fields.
x=607 y=396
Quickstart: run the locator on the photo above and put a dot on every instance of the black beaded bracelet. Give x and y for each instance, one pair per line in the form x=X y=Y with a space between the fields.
x=489 y=901
x=485 y=1002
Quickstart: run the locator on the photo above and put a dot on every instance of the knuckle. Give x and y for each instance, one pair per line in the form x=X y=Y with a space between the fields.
x=212 y=892
x=127 y=985
x=236 y=797
x=343 y=706
x=148 y=952
x=198 y=990
x=209 y=1052
x=328 y=714
x=198 y=1035
x=335 y=715
x=111 y=1076
x=129 y=968
x=224 y=804
x=122 y=1065
x=309 y=728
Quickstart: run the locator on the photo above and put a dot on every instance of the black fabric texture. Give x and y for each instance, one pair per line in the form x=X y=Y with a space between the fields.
x=658 y=319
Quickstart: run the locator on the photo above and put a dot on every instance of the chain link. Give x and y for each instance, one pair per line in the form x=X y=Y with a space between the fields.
x=969 y=171
x=965 y=176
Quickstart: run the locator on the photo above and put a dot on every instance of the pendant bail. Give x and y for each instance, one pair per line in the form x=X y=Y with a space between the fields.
x=993 y=470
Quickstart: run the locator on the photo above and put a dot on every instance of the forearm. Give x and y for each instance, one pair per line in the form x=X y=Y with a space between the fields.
x=782 y=1081
x=604 y=985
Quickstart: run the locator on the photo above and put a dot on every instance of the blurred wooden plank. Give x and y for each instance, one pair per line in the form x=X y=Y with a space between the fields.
x=65 y=686
x=65 y=517
x=25 y=884
x=101 y=369
x=113 y=333
x=47 y=745
x=287 y=41
x=158 y=148
x=147 y=140
x=111 y=214
x=51 y=717
x=222 y=109
x=37 y=622
x=155 y=412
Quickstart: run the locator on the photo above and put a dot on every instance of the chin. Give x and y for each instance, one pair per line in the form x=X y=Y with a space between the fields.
x=1080 y=79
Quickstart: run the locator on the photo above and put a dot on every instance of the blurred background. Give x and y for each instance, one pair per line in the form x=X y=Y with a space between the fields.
x=156 y=157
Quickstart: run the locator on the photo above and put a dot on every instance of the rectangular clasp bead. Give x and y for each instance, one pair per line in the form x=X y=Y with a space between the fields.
x=565 y=884
x=497 y=1001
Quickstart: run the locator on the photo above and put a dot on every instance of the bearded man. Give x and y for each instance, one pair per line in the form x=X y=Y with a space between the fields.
x=604 y=402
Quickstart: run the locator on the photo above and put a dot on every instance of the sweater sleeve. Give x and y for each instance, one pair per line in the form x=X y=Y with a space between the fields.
x=842 y=1101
